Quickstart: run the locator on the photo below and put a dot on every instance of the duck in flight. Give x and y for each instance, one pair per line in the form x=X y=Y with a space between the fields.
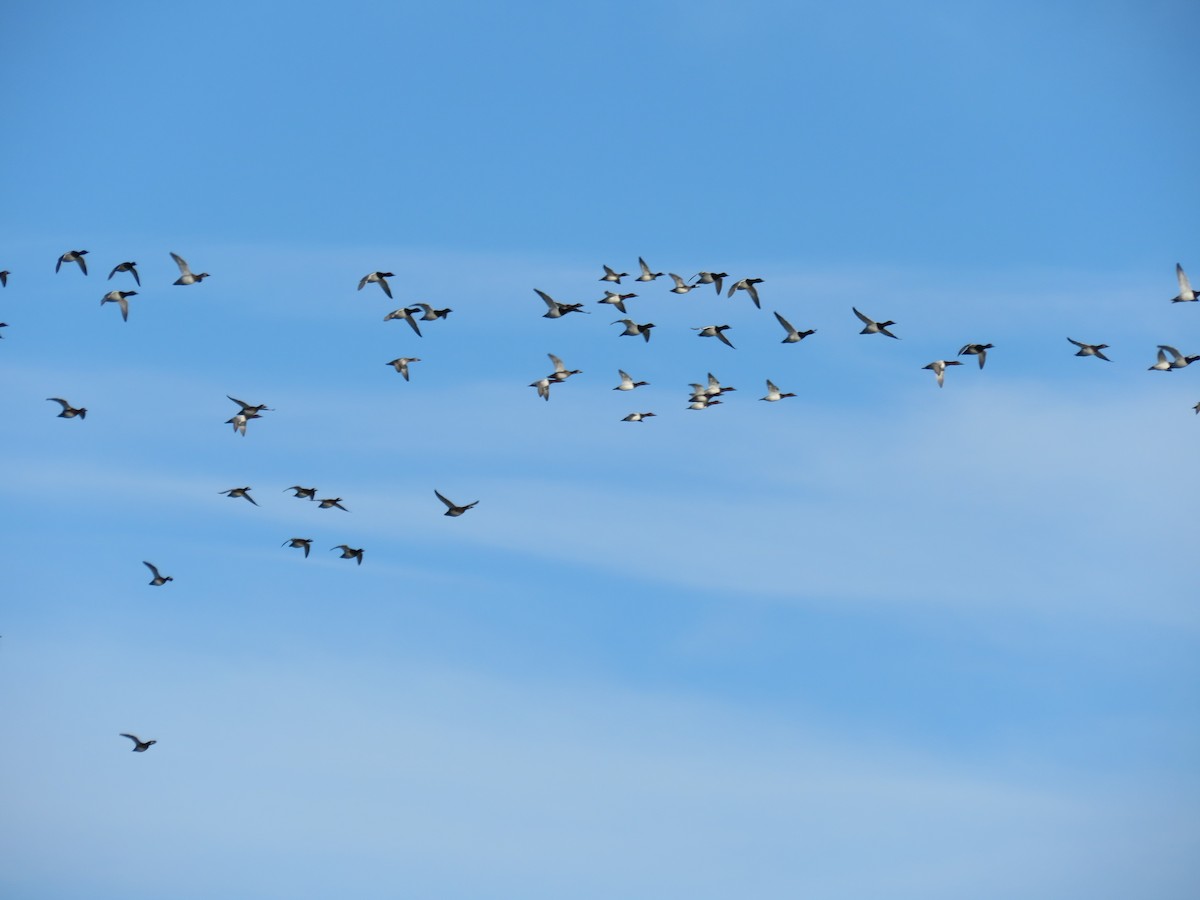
x=453 y=509
x=401 y=363
x=330 y=502
x=159 y=579
x=747 y=285
x=641 y=417
x=185 y=274
x=379 y=278
x=406 y=313
x=349 y=552
x=713 y=278
x=561 y=373
x=617 y=300
x=717 y=331
x=793 y=336
x=646 y=275
x=873 y=327
x=938 y=367
x=304 y=544
x=632 y=329
x=73 y=256
x=558 y=310
x=1186 y=294
x=139 y=746
x=234 y=493
x=1090 y=349
x=1178 y=361
x=773 y=393
x=130 y=267
x=614 y=277
x=68 y=411
x=979 y=351
x=302 y=493
x=119 y=298
x=627 y=383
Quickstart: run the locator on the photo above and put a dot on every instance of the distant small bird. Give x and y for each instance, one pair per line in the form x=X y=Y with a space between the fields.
x=349 y=552
x=400 y=364
x=637 y=417
x=793 y=336
x=543 y=387
x=73 y=256
x=453 y=509
x=747 y=285
x=234 y=493
x=159 y=579
x=561 y=373
x=646 y=275
x=68 y=411
x=713 y=278
x=715 y=388
x=558 y=310
x=185 y=274
x=717 y=331
x=627 y=383
x=302 y=492
x=299 y=543
x=5 y=273
x=1186 y=294
x=329 y=503
x=239 y=422
x=938 y=367
x=1179 y=361
x=379 y=278
x=632 y=329
x=874 y=327
x=139 y=746
x=617 y=300
x=979 y=351
x=406 y=313
x=1090 y=349
x=432 y=314
x=773 y=393
x=703 y=403
x=614 y=277
x=130 y=267
x=251 y=410
x=681 y=287
x=119 y=298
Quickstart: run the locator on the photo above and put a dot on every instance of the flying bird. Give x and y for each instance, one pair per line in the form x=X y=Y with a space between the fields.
x=558 y=310
x=159 y=579
x=5 y=273
x=68 y=411
x=302 y=493
x=773 y=393
x=543 y=387
x=614 y=277
x=130 y=267
x=185 y=274
x=717 y=331
x=432 y=314
x=329 y=503
x=681 y=287
x=1179 y=361
x=715 y=388
x=874 y=327
x=119 y=298
x=379 y=278
x=234 y=493
x=561 y=373
x=747 y=285
x=252 y=411
x=1186 y=294
x=938 y=367
x=239 y=422
x=73 y=256
x=637 y=417
x=453 y=509
x=646 y=275
x=713 y=278
x=627 y=383
x=979 y=351
x=349 y=552
x=300 y=543
x=406 y=313
x=617 y=300
x=400 y=364
x=793 y=336
x=632 y=329
x=139 y=746
x=1090 y=349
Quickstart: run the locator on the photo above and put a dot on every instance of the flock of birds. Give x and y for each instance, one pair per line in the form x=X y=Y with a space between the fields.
x=702 y=396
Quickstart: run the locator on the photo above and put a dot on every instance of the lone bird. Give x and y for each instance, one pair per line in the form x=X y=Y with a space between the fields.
x=73 y=256
x=874 y=327
x=130 y=267
x=379 y=278
x=185 y=274
x=299 y=543
x=747 y=285
x=717 y=331
x=349 y=552
x=68 y=411
x=233 y=493
x=979 y=351
x=400 y=364
x=637 y=417
x=1090 y=349
x=453 y=509
x=139 y=746
x=793 y=336
x=302 y=492
x=159 y=579
x=119 y=298
x=1186 y=294
x=632 y=329
x=938 y=367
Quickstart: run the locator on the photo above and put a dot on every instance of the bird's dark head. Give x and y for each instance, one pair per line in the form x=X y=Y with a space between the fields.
x=83 y=413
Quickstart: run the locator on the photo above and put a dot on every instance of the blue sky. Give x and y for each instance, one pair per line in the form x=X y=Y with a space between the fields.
x=878 y=639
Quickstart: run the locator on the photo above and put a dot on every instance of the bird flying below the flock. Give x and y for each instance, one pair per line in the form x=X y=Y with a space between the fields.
x=234 y=493
x=159 y=579
x=717 y=331
x=617 y=300
x=614 y=277
x=405 y=313
x=793 y=336
x=558 y=310
x=302 y=493
x=185 y=274
x=119 y=298
x=379 y=278
x=747 y=285
x=130 y=267
x=773 y=393
x=1090 y=349
x=349 y=552
x=627 y=383
x=646 y=275
x=1186 y=294
x=73 y=256
x=68 y=411
x=632 y=329
x=543 y=387
x=304 y=544
x=139 y=746
x=637 y=417
x=938 y=367
x=239 y=422
x=713 y=278
x=453 y=509
x=979 y=351
x=873 y=327
x=401 y=363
